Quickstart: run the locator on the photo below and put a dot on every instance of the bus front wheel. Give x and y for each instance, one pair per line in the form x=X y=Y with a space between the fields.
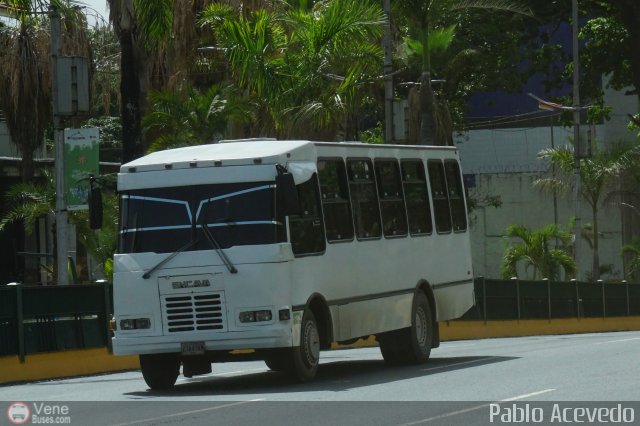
x=306 y=357
x=410 y=345
x=160 y=371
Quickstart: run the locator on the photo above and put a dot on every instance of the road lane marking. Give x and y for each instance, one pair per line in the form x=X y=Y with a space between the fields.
x=477 y=407
x=515 y=398
x=616 y=341
x=473 y=361
x=202 y=410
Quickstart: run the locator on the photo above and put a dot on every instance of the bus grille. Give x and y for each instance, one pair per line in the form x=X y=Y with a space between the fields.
x=193 y=312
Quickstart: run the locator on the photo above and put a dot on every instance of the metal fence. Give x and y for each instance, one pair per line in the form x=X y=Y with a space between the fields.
x=521 y=299
x=53 y=318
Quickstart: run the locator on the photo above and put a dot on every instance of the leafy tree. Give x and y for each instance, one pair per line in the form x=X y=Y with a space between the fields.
x=306 y=69
x=198 y=118
x=599 y=176
x=31 y=201
x=535 y=248
x=25 y=89
x=633 y=251
x=427 y=35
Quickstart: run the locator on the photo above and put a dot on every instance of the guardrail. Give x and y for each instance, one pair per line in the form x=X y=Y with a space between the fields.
x=522 y=299
x=36 y=319
x=52 y=318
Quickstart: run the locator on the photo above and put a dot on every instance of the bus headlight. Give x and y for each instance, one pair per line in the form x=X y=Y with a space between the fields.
x=135 y=324
x=256 y=316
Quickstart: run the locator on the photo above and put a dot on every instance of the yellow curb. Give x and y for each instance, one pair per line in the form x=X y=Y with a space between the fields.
x=53 y=365
x=92 y=361
x=467 y=330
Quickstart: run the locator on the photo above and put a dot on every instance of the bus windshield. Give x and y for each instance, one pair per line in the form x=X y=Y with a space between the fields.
x=162 y=220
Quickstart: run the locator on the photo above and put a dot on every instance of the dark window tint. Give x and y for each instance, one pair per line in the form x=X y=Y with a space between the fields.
x=307 y=233
x=163 y=220
x=394 y=216
x=416 y=194
x=335 y=200
x=364 y=199
x=456 y=195
x=439 y=196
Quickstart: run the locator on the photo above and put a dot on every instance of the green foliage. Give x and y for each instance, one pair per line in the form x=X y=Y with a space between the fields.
x=374 y=135
x=534 y=249
x=28 y=202
x=196 y=118
x=110 y=129
x=633 y=251
x=307 y=70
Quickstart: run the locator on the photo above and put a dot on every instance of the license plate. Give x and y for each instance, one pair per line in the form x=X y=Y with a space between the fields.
x=192 y=348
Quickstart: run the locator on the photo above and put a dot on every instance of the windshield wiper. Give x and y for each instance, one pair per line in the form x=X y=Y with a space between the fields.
x=216 y=245
x=190 y=244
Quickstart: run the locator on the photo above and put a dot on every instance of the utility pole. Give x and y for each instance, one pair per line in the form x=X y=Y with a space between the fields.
x=62 y=234
x=388 y=77
x=576 y=134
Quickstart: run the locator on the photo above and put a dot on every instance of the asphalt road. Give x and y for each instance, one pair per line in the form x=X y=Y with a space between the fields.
x=465 y=382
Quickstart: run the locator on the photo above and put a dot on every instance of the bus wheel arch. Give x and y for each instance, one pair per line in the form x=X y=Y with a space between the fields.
x=320 y=308
x=424 y=287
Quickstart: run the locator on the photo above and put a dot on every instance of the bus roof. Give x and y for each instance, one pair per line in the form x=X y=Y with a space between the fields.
x=241 y=152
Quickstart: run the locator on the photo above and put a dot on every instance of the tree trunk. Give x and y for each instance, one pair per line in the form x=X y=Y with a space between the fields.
x=132 y=147
x=427 y=111
x=596 y=256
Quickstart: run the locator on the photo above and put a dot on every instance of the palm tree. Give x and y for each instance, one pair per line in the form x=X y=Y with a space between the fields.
x=306 y=68
x=425 y=35
x=25 y=89
x=28 y=202
x=175 y=120
x=599 y=177
x=633 y=250
x=534 y=249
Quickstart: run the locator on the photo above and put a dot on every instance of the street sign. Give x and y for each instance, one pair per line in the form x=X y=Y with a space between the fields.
x=81 y=160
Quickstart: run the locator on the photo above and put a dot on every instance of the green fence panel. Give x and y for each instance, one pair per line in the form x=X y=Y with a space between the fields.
x=534 y=299
x=501 y=297
x=63 y=300
x=590 y=299
x=8 y=321
x=634 y=299
x=563 y=300
x=615 y=299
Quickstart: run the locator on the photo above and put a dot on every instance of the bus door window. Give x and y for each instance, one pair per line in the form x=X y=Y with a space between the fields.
x=364 y=199
x=439 y=196
x=394 y=215
x=306 y=229
x=456 y=195
x=335 y=200
x=414 y=183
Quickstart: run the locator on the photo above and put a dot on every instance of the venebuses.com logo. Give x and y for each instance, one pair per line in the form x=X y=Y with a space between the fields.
x=18 y=413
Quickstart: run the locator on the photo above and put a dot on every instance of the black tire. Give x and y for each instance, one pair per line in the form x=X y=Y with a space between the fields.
x=160 y=371
x=411 y=345
x=279 y=359
x=306 y=357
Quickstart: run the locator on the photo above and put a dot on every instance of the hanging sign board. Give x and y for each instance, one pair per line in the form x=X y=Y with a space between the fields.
x=81 y=160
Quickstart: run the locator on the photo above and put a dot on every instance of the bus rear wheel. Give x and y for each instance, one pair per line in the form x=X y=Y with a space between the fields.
x=306 y=357
x=410 y=345
x=160 y=371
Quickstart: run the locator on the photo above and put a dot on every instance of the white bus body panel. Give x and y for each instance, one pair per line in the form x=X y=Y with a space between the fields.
x=368 y=285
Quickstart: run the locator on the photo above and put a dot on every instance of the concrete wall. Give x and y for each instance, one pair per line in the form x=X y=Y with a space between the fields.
x=504 y=162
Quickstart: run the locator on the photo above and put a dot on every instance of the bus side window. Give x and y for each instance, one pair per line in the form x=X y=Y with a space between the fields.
x=335 y=200
x=364 y=199
x=394 y=215
x=414 y=182
x=456 y=195
x=439 y=196
x=307 y=231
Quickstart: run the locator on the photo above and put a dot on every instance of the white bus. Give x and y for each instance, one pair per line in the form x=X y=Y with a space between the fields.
x=284 y=247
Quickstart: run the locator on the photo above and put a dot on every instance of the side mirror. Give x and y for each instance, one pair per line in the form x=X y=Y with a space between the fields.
x=95 y=204
x=287 y=194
